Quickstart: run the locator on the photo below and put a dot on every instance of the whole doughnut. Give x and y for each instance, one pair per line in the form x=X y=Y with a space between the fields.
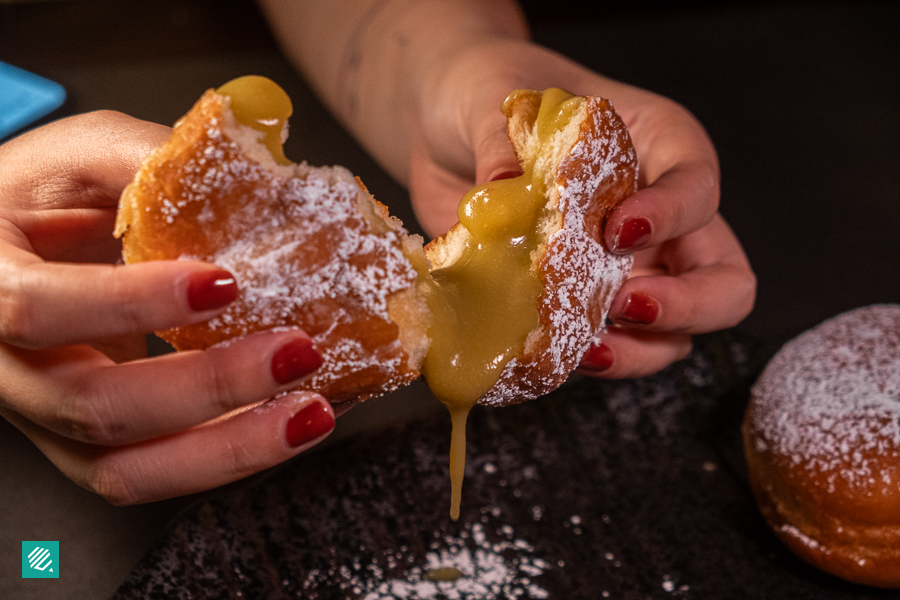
x=822 y=441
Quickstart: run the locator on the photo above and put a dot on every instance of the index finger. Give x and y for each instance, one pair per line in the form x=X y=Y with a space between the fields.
x=45 y=304
x=679 y=173
x=82 y=161
x=683 y=200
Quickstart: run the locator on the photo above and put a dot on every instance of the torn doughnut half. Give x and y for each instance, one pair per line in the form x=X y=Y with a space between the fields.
x=498 y=310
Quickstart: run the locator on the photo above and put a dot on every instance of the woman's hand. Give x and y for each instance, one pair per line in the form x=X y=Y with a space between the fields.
x=74 y=376
x=420 y=85
x=690 y=275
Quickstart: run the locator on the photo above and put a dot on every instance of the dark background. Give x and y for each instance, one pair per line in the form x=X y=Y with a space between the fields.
x=800 y=98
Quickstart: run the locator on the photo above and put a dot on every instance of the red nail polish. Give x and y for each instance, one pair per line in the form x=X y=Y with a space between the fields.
x=632 y=234
x=308 y=424
x=640 y=309
x=506 y=175
x=211 y=289
x=597 y=358
x=294 y=360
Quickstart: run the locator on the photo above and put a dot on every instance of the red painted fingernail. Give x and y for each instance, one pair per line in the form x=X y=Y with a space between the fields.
x=640 y=309
x=597 y=358
x=296 y=359
x=211 y=289
x=308 y=424
x=632 y=234
x=506 y=175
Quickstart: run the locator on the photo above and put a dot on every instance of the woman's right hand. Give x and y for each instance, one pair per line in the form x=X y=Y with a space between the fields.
x=690 y=274
x=74 y=376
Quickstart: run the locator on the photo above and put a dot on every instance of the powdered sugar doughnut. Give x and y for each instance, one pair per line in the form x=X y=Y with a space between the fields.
x=822 y=440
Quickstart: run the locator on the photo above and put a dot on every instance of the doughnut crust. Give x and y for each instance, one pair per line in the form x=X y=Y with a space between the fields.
x=591 y=168
x=311 y=248
x=822 y=440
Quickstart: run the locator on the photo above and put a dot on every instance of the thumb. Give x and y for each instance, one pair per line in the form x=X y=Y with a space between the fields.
x=495 y=158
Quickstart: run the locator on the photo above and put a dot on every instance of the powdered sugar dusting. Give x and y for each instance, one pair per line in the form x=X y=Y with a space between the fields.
x=803 y=538
x=581 y=275
x=830 y=399
x=280 y=275
x=298 y=240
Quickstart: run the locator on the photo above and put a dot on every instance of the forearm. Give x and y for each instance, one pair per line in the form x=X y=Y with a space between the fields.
x=375 y=62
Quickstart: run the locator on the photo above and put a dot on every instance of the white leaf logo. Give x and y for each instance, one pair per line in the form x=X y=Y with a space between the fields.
x=40 y=560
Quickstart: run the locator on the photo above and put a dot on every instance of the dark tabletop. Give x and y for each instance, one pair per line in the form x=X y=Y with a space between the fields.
x=631 y=488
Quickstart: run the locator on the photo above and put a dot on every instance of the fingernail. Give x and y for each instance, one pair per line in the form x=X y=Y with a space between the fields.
x=296 y=359
x=212 y=289
x=308 y=424
x=632 y=234
x=506 y=175
x=598 y=358
x=640 y=309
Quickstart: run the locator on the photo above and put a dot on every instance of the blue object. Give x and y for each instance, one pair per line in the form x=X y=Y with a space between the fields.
x=25 y=98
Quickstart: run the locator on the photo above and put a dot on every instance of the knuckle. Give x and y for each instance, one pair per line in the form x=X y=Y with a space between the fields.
x=708 y=181
x=243 y=461
x=218 y=385
x=744 y=298
x=17 y=316
x=749 y=296
x=715 y=190
x=108 y=479
x=126 y=299
x=16 y=324
x=684 y=348
x=686 y=312
x=88 y=414
x=104 y=119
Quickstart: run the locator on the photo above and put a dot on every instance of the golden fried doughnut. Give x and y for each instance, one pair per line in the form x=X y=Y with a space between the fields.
x=822 y=440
